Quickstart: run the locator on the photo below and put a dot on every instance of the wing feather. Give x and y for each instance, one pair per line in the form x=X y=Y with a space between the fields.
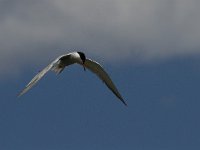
x=57 y=65
x=38 y=77
x=96 y=68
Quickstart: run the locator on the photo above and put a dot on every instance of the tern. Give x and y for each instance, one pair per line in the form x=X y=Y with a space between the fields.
x=59 y=64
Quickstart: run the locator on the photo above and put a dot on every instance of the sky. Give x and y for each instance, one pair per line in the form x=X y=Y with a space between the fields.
x=151 y=50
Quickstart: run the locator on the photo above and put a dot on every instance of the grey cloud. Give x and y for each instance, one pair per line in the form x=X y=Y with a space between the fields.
x=145 y=30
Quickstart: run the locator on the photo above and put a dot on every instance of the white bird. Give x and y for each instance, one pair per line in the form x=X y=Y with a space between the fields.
x=59 y=64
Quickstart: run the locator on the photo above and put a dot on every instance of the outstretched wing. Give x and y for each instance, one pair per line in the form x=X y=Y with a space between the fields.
x=101 y=73
x=38 y=77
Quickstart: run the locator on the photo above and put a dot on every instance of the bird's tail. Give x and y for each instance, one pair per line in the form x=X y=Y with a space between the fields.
x=58 y=69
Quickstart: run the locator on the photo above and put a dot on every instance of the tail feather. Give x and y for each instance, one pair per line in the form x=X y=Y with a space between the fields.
x=58 y=70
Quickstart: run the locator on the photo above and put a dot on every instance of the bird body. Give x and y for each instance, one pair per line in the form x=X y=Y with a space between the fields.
x=65 y=60
x=59 y=64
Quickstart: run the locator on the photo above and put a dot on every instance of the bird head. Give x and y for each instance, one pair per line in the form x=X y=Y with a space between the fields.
x=83 y=58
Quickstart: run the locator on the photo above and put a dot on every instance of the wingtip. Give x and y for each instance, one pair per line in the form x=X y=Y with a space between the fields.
x=123 y=101
x=19 y=95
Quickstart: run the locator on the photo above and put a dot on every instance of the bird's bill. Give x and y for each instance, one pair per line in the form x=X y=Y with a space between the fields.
x=84 y=67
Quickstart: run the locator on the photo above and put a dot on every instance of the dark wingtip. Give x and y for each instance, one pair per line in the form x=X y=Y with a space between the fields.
x=123 y=101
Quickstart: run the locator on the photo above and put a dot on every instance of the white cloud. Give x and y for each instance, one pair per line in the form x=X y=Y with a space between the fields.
x=146 y=30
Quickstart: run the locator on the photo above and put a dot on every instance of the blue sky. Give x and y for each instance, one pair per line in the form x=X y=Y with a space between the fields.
x=149 y=48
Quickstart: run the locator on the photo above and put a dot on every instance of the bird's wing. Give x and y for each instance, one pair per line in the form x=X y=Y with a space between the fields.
x=101 y=73
x=38 y=77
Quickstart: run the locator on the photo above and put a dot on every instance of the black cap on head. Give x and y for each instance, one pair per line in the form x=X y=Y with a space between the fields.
x=82 y=55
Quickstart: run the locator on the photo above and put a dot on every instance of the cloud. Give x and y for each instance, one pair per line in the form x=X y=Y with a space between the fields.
x=143 y=30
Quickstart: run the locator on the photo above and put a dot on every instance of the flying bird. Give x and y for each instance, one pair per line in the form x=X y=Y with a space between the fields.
x=59 y=64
